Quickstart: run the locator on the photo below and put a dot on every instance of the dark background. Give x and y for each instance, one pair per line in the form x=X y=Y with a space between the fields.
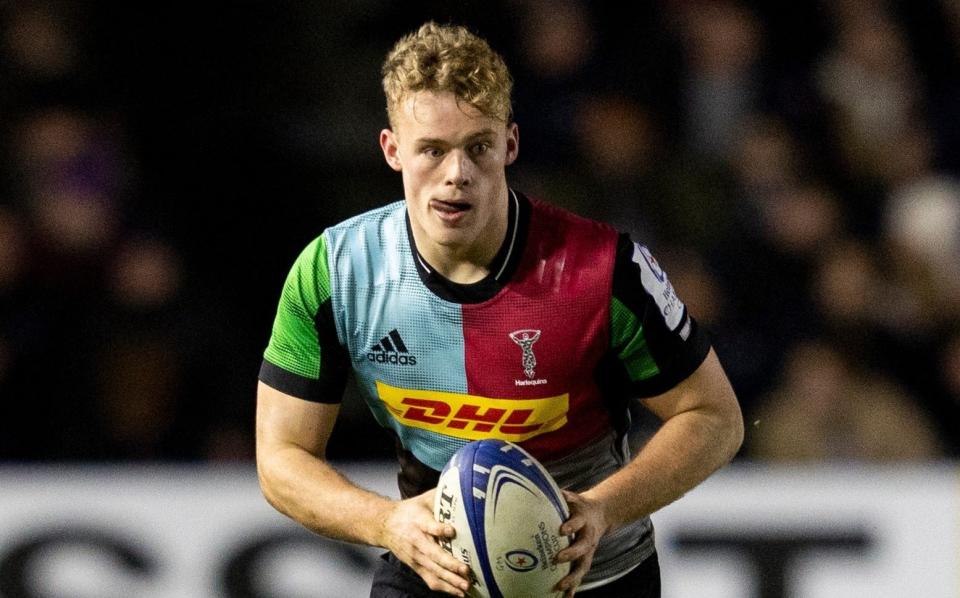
x=792 y=166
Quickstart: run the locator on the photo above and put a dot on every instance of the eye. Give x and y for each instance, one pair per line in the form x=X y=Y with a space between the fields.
x=480 y=148
x=433 y=152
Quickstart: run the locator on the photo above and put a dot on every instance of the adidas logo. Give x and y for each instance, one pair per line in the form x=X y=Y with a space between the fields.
x=391 y=349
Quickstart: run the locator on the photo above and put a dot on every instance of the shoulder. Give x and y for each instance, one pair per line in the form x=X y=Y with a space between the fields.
x=356 y=232
x=369 y=247
x=370 y=232
x=566 y=252
x=373 y=222
x=556 y=233
x=561 y=220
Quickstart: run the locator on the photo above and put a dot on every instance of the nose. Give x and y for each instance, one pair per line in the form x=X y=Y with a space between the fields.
x=459 y=169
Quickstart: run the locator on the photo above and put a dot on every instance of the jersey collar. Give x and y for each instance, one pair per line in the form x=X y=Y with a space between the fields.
x=502 y=267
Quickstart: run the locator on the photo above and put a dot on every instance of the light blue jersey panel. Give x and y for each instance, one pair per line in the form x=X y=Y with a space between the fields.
x=395 y=330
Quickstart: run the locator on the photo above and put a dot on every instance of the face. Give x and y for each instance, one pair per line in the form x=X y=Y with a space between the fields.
x=452 y=158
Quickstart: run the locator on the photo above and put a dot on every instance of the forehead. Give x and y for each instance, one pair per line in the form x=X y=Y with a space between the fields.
x=441 y=115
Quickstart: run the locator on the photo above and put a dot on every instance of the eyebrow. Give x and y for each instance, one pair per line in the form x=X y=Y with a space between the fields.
x=471 y=137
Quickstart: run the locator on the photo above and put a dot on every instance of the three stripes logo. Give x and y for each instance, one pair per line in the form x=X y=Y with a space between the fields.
x=391 y=349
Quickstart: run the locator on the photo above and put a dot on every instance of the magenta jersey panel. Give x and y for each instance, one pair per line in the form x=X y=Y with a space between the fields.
x=532 y=341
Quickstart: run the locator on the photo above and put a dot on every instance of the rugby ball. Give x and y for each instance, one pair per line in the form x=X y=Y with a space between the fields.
x=507 y=511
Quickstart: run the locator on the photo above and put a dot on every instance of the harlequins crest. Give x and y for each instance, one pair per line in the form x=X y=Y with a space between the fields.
x=525 y=339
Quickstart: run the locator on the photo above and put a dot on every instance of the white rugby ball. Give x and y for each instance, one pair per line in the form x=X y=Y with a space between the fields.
x=507 y=511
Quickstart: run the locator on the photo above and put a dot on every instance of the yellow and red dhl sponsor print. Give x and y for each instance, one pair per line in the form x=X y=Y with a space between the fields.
x=473 y=417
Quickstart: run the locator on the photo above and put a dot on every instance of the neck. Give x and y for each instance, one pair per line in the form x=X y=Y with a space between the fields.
x=457 y=268
x=464 y=264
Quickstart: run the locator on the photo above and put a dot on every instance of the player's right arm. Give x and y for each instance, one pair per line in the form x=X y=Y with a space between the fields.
x=298 y=481
x=301 y=383
x=291 y=436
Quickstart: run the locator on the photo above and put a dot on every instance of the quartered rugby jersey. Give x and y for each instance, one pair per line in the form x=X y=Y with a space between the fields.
x=572 y=322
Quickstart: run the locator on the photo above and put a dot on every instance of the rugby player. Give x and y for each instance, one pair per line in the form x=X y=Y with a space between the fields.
x=469 y=310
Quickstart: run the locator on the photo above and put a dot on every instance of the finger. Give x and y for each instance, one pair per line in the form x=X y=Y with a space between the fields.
x=572 y=580
x=442 y=562
x=430 y=570
x=575 y=551
x=448 y=570
x=573 y=525
x=426 y=499
x=567 y=585
x=574 y=500
x=452 y=583
x=439 y=585
x=580 y=569
x=439 y=530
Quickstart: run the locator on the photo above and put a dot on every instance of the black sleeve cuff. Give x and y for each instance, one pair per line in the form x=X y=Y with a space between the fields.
x=300 y=387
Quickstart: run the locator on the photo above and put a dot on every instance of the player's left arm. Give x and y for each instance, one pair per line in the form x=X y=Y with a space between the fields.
x=702 y=430
x=662 y=354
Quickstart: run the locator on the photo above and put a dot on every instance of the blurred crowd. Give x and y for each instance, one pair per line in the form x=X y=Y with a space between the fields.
x=794 y=168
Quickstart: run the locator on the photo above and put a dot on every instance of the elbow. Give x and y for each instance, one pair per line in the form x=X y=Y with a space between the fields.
x=263 y=477
x=268 y=482
x=729 y=420
x=736 y=435
x=280 y=469
x=733 y=429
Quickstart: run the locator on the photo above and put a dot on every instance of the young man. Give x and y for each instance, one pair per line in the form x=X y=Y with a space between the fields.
x=469 y=311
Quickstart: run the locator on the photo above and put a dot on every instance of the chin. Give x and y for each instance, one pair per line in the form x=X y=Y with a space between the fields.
x=445 y=239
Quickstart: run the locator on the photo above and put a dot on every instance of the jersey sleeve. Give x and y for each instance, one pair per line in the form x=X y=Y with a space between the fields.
x=657 y=344
x=304 y=358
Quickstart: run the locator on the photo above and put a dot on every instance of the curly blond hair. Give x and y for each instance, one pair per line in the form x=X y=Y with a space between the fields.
x=441 y=58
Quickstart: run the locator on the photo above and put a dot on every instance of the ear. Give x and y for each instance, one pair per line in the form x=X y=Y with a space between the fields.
x=391 y=149
x=513 y=144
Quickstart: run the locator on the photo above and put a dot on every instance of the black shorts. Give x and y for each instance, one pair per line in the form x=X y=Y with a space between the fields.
x=394 y=579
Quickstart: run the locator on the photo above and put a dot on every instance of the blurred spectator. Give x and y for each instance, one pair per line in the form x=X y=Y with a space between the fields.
x=848 y=288
x=950 y=366
x=12 y=271
x=135 y=354
x=160 y=366
x=556 y=55
x=139 y=359
x=946 y=406
x=765 y=158
x=147 y=274
x=869 y=80
x=826 y=408
x=801 y=218
x=63 y=148
x=559 y=38
x=769 y=272
x=12 y=250
x=68 y=175
x=722 y=41
x=39 y=40
x=923 y=235
x=617 y=140
x=873 y=93
x=923 y=226
x=633 y=178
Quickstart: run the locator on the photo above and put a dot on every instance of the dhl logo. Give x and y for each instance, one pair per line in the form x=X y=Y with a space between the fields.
x=473 y=417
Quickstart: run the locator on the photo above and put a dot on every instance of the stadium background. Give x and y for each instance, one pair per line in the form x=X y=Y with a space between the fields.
x=793 y=167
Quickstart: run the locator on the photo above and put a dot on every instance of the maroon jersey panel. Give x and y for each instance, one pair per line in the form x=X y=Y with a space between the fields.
x=543 y=334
